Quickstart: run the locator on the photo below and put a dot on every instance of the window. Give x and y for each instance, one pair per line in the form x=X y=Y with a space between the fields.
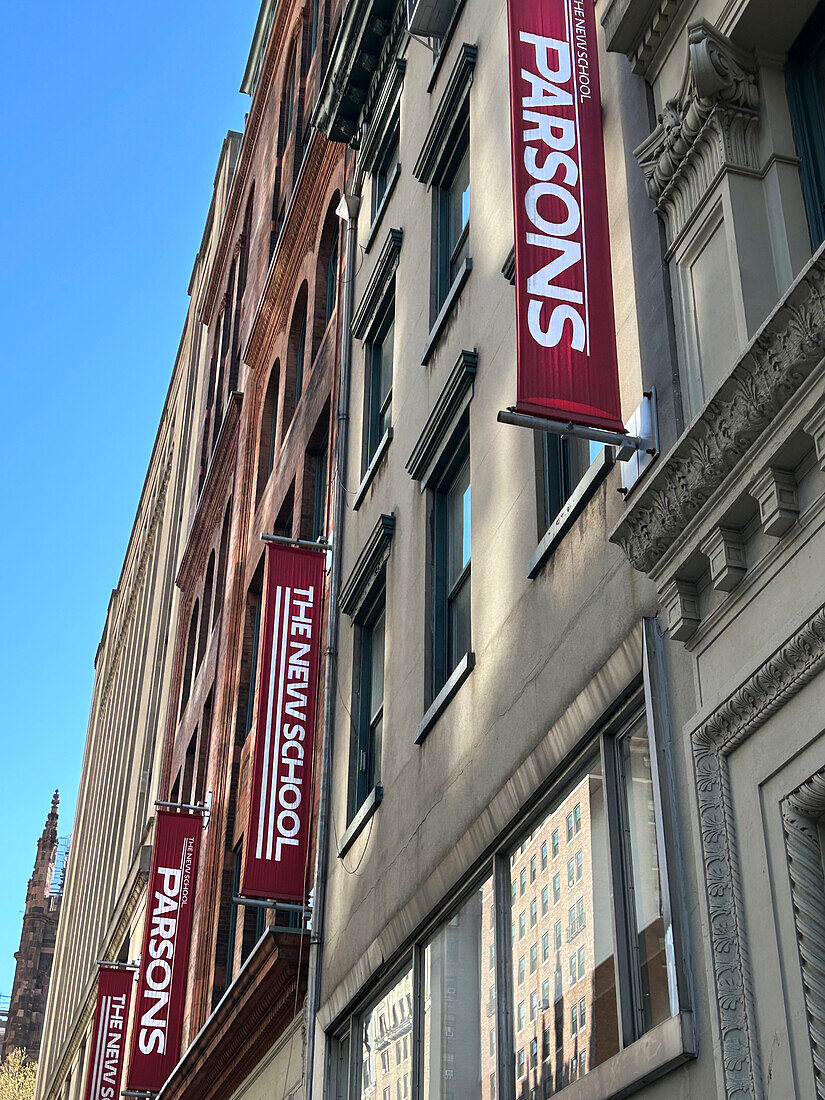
x=313 y=37
x=253 y=620
x=806 y=97
x=556 y=889
x=379 y=351
x=288 y=109
x=522 y=881
x=533 y=871
x=562 y=462
x=385 y=167
x=522 y=925
x=533 y=913
x=451 y=559
x=492 y=956
x=620 y=984
x=319 y=494
x=545 y=947
x=545 y=901
x=331 y=288
x=554 y=841
x=365 y=759
x=544 y=855
x=611 y=821
x=452 y=196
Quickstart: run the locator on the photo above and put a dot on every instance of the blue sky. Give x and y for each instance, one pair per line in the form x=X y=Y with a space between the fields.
x=113 y=120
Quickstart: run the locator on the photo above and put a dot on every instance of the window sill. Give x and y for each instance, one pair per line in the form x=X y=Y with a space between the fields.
x=573 y=507
x=365 y=812
x=382 y=206
x=459 y=674
x=447 y=308
x=375 y=462
x=666 y=1046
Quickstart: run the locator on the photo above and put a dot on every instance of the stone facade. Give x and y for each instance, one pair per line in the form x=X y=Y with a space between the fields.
x=27 y=1007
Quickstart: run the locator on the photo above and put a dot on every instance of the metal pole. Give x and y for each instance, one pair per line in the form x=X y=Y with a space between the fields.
x=304 y=544
x=626 y=445
x=350 y=204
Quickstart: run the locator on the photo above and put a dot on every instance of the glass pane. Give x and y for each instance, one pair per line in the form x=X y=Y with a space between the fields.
x=577 y=974
x=459 y=623
x=458 y=1059
x=458 y=524
x=460 y=199
x=386 y=1044
x=377 y=665
x=643 y=874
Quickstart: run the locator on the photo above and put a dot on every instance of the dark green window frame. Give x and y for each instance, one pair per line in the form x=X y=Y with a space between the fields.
x=452 y=227
x=379 y=394
x=388 y=159
x=805 y=74
x=451 y=639
x=367 y=733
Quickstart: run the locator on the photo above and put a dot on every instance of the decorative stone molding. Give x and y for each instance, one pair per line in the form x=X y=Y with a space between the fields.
x=680 y=601
x=360 y=584
x=815 y=427
x=381 y=118
x=775 y=491
x=772 y=685
x=725 y=550
x=637 y=27
x=450 y=403
x=776 y=363
x=710 y=125
x=379 y=285
x=802 y=814
x=447 y=114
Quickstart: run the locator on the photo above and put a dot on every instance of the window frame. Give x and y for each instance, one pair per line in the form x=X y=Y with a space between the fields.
x=450 y=254
x=362 y=739
x=375 y=409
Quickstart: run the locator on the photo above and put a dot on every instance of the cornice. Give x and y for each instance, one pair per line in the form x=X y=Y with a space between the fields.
x=711 y=124
x=297 y=238
x=253 y=1012
x=457 y=390
x=782 y=676
x=209 y=509
x=777 y=361
x=237 y=188
x=359 y=585
x=378 y=286
x=636 y=28
x=446 y=113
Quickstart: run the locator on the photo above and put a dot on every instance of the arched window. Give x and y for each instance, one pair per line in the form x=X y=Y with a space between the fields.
x=205 y=630
x=246 y=238
x=223 y=553
x=288 y=109
x=189 y=662
x=296 y=354
x=326 y=275
x=269 y=429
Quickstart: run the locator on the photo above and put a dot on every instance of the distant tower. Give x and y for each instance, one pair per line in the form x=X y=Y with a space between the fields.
x=34 y=958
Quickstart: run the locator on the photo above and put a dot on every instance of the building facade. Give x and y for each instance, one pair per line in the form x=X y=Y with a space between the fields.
x=105 y=888
x=569 y=761
x=577 y=755
x=30 y=989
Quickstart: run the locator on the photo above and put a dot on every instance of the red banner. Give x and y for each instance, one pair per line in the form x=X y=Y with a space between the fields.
x=566 y=338
x=107 y=1054
x=277 y=837
x=163 y=961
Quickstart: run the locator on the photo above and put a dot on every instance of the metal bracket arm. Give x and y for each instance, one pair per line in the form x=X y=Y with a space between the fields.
x=626 y=445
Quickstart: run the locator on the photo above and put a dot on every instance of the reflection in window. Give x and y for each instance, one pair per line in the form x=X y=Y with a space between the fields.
x=454 y=1061
x=382 y=1026
x=582 y=811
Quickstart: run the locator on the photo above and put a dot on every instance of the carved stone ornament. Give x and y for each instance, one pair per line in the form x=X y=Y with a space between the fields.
x=709 y=125
x=772 y=685
x=778 y=360
x=802 y=813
